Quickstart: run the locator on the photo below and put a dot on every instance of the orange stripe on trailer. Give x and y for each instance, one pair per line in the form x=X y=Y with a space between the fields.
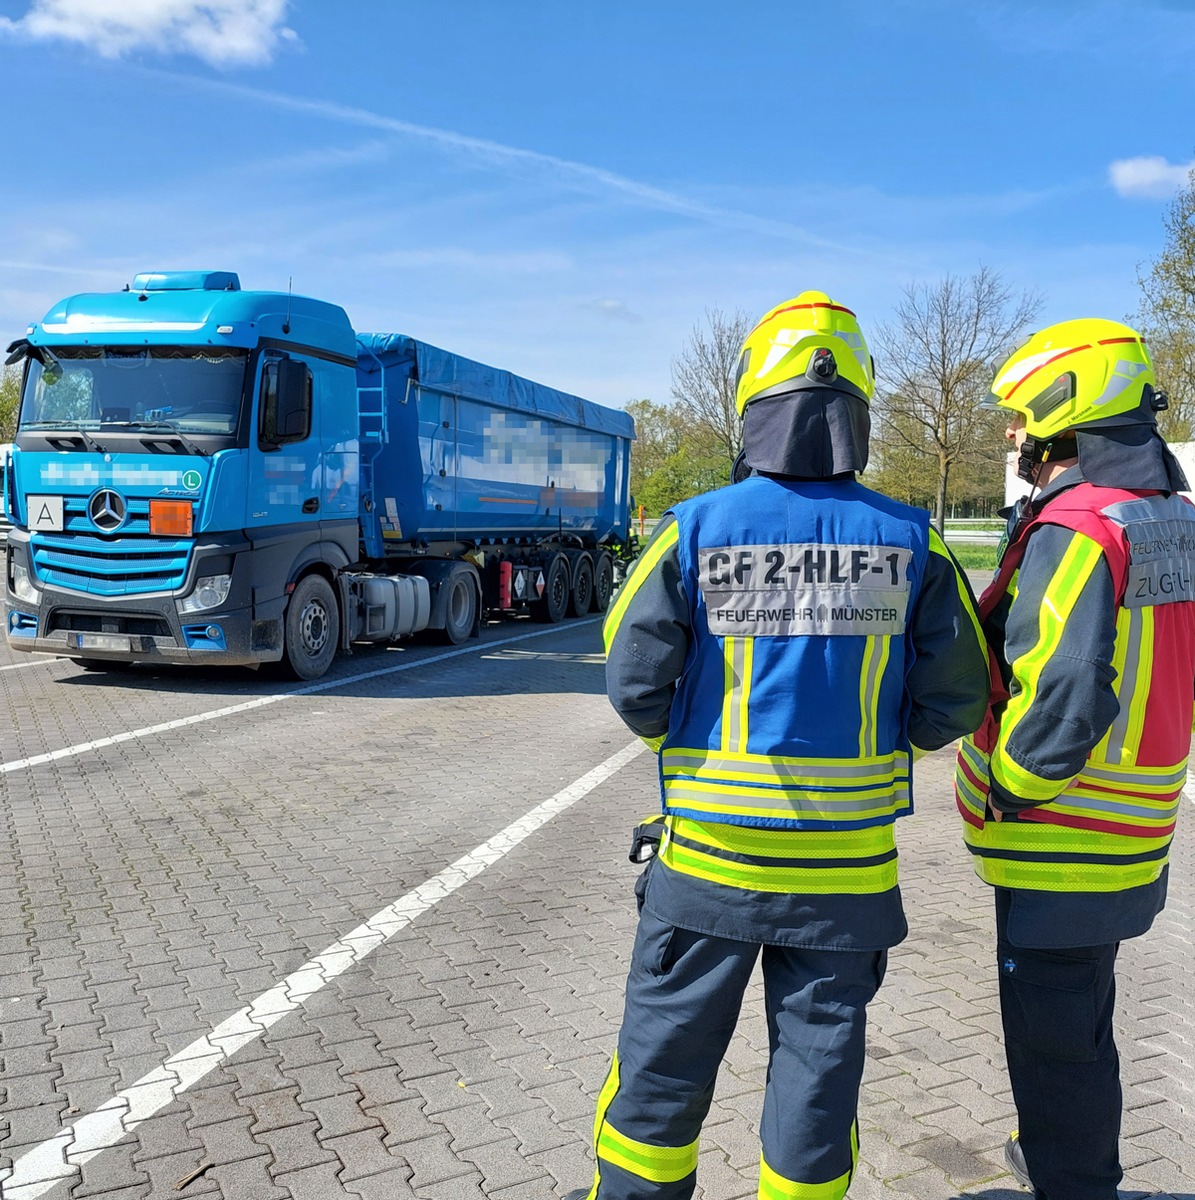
x=1042 y=367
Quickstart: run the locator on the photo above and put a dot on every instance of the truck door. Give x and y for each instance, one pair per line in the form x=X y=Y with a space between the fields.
x=285 y=484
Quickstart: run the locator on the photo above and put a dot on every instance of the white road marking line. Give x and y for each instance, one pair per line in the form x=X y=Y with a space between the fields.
x=41 y=662
x=36 y=760
x=43 y=1167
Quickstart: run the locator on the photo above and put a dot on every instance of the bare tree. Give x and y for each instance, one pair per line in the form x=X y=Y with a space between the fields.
x=935 y=362
x=703 y=380
x=1167 y=315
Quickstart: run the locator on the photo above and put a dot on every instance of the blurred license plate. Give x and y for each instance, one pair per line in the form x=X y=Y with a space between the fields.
x=102 y=641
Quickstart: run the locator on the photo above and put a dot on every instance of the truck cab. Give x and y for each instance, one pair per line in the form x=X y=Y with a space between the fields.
x=186 y=457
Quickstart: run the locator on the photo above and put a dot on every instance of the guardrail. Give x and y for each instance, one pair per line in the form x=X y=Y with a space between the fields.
x=977 y=532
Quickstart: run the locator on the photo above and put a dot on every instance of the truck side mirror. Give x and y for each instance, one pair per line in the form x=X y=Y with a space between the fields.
x=286 y=403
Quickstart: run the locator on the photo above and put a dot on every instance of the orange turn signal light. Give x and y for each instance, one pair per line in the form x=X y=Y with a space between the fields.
x=172 y=518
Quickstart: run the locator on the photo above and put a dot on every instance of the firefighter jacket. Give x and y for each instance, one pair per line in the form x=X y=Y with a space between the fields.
x=1084 y=748
x=783 y=643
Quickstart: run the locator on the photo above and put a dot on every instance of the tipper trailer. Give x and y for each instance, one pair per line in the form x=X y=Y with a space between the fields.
x=208 y=475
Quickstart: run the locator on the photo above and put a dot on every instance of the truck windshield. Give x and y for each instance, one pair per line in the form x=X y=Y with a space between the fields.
x=184 y=388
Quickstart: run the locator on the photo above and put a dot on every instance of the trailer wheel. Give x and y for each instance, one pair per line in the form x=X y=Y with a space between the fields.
x=603 y=584
x=460 y=608
x=554 y=604
x=581 y=595
x=312 y=629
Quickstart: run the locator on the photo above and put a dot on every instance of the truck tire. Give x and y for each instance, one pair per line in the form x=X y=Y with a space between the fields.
x=603 y=584
x=460 y=608
x=581 y=595
x=554 y=604
x=312 y=629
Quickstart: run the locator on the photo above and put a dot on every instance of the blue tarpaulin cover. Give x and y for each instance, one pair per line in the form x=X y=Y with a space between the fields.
x=432 y=367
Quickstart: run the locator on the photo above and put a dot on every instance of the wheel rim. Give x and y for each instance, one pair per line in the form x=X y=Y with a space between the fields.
x=584 y=588
x=313 y=627
x=605 y=581
x=559 y=589
x=458 y=605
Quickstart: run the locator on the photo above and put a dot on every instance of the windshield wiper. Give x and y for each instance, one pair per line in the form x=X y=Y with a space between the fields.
x=170 y=427
x=67 y=427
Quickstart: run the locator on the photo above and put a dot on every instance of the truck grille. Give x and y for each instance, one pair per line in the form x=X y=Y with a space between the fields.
x=76 y=520
x=99 y=566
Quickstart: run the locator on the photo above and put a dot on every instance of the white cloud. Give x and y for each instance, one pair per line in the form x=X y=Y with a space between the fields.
x=1149 y=175
x=221 y=32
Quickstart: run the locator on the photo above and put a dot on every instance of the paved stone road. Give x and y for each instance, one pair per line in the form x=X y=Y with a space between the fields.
x=153 y=887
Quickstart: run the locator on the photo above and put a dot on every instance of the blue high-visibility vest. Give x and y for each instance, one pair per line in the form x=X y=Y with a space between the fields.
x=787 y=761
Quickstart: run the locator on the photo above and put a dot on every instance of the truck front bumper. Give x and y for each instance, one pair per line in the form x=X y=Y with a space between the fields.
x=145 y=628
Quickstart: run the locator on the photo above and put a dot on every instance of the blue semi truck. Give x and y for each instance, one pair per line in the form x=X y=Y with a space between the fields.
x=203 y=474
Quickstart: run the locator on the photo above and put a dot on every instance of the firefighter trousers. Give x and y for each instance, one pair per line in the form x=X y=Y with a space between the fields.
x=683 y=997
x=1056 y=1007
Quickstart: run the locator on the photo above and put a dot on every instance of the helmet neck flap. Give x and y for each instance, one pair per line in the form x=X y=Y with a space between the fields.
x=812 y=432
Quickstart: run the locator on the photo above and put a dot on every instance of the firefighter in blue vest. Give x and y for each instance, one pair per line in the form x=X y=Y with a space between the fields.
x=783 y=643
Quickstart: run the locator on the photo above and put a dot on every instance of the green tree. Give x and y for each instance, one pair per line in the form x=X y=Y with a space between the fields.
x=667 y=463
x=10 y=392
x=935 y=361
x=1167 y=315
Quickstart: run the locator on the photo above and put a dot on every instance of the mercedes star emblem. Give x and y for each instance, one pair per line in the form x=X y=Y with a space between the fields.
x=107 y=510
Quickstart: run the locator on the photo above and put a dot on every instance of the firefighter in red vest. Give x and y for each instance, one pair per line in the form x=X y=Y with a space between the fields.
x=1070 y=789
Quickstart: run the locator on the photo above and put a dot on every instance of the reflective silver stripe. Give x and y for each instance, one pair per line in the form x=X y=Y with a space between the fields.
x=796 y=769
x=1172 y=778
x=1163 y=810
x=821 y=807
x=1128 y=686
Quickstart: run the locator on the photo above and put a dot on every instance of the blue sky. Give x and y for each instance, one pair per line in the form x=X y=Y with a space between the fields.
x=563 y=187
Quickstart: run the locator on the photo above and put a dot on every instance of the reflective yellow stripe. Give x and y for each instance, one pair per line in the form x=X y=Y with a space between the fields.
x=605 y=1096
x=1059 y=599
x=773 y=1185
x=786 y=804
x=838 y=877
x=937 y=546
x=783 y=843
x=1140 y=697
x=875 y=660
x=1110 y=746
x=736 y=692
x=718 y=767
x=658 y=1164
x=748 y=667
x=642 y=569
x=1066 y=877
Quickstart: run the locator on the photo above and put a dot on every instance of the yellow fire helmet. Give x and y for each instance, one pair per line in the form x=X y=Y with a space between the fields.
x=1077 y=373
x=809 y=337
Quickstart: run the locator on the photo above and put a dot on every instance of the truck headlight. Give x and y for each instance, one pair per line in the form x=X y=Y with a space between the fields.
x=210 y=592
x=22 y=585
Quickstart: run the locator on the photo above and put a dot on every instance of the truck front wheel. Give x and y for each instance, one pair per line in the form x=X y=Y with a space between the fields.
x=312 y=628
x=460 y=607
